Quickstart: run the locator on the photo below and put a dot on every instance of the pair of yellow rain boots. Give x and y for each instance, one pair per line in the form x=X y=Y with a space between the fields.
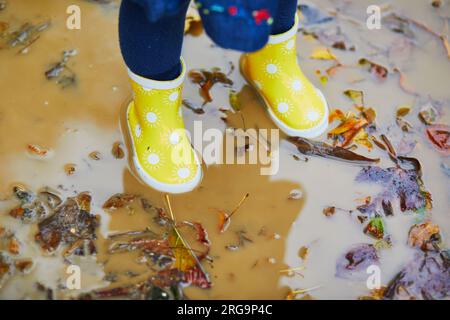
x=162 y=153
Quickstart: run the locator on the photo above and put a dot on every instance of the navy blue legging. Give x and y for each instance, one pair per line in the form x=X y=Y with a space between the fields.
x=152 y=50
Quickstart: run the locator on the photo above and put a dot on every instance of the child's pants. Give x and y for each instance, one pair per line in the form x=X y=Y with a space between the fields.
x=153 y=49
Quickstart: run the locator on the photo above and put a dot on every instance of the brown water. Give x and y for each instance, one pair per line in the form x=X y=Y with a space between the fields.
x=75 y=121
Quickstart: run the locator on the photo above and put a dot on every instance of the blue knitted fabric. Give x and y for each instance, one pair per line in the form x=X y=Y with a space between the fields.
x=151 y=31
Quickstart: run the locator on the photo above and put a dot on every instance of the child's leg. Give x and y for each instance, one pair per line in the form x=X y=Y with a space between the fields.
x=151 y=50
x=294 y=104
x=285 y=17
x=160 y=148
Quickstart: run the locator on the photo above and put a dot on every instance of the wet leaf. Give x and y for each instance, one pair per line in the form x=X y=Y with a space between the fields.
x=424 y=236
x=403 y=183
x=70 y=168
x=425 y=277
x=224 y=222
x=193 y=24
x=320 y=149
x=383 y=244
x=118 y=201
x=234 y=100
x=68 y=224
x=195 y=276
x=59 y=71
x=322 y=54
x=375 y=228
x=329 y=211
x=23 y=265
x=398 y=24
x=353 y=126
x=378 y=70
x=439 y=135
x=303 y=252
x=403 y=111
x=190 y=106
x=95 y=155
x=356 y=96
x=428 y=114
x=117 y=150
x=206 y=79
x=6 y=269
x=38 y=151
x=375 y=294
x=353 y=264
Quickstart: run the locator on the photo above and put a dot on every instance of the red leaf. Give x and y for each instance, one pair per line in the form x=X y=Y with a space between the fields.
x=439 y=136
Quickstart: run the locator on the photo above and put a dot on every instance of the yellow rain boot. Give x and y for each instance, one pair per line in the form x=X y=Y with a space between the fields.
x=294 y=104
x=161 y=150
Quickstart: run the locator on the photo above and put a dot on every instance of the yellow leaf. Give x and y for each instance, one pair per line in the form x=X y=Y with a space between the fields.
x=183 y=256
x=362 y=138
x=323 y=54
x=324 y=80
x=403 y=111
x=356 y=95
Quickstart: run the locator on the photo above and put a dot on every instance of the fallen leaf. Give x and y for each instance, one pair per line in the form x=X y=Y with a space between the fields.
x=224 y=222
x=118 y=201
x=356 y=96
x=375 y=228
x=354 y=262
x=403 y=111
x=95 y=155
x=329 y=211
x=428 y=114
x=320 y=149
x=303 y=252
x=37 y=150
x=234 y=100
x=424 y=236
x=69 y=169
x=323 y=54
x=438 y=135
x=378 y=70
x=117 y=150
x=207 y=79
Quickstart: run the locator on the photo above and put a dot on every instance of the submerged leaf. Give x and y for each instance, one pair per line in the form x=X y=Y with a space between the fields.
x=398 y=24
x=67 y=225
x=426 y=276
x=118 y=201
x=424 y=236
x=323 y=54
x=375 y=228
x=378 y=70
x=206 y=79
x=117 y=150
x=320 y=149
x=356 y=96
x=353 y=264
x=403 y=111
x=403 y=182
x=439 y=135
x=428 y=114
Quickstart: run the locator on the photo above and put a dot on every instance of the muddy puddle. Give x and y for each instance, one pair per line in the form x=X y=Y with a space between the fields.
x=60 y=132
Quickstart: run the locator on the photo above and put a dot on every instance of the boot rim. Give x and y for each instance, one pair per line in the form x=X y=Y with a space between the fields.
x=282 y=37
x=160 y=85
